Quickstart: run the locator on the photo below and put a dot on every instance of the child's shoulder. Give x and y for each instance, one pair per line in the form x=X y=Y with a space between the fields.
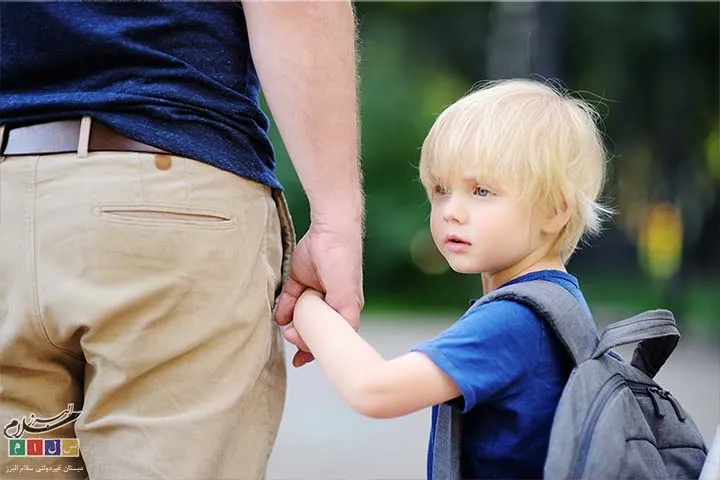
x=512 y=316
x=502 y=318
x=560 y=278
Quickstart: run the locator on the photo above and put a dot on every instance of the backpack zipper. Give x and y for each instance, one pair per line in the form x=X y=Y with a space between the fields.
x=682 y=416
x=655 y=393
x=607 y=391
x=652 y=392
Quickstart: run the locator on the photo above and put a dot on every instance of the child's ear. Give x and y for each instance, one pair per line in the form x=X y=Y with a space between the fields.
x=556 y=219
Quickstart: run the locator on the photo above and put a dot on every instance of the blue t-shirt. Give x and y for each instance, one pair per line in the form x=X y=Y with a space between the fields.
x=175 y=75
x=511 y=370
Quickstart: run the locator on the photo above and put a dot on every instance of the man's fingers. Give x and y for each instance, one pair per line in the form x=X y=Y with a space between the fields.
x=292 y=336
x=347 y=305
x=286 y=302
x=301 y=358
x=352 y=315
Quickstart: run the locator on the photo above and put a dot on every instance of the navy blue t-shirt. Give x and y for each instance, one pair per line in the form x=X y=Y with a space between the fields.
x=176 y=75
x=511 y=370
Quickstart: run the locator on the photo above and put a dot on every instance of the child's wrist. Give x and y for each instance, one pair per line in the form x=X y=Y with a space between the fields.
x=304 y=309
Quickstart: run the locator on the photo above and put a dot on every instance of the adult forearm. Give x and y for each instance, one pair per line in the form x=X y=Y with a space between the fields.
x=305 y=56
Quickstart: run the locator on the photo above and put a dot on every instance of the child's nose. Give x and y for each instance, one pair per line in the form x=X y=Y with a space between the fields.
x=454 y=210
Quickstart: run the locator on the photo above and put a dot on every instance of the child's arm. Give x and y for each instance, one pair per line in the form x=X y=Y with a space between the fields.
x=373 y=386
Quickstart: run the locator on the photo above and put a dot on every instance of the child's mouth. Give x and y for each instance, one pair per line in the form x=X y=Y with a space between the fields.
x=456 y=244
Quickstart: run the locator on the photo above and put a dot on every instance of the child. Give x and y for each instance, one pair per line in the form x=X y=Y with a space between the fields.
x=513 y=172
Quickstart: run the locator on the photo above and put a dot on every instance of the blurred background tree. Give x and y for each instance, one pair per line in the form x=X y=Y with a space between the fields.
x=651 y=69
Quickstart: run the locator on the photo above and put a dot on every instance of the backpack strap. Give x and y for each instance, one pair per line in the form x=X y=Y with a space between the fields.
x=572 y=323
x=657 y=333
x=446 y=444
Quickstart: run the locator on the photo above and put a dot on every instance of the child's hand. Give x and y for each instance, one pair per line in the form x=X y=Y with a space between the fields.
x=308 y=307
x=291 y=333
x=307 y=304
x=311 y=293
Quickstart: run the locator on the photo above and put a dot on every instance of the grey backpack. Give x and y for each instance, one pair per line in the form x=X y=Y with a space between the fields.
x=613 y=421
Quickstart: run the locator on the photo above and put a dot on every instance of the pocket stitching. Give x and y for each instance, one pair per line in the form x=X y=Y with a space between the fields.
x=110 y=212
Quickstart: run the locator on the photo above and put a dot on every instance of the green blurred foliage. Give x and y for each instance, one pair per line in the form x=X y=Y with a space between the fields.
x=650 y=68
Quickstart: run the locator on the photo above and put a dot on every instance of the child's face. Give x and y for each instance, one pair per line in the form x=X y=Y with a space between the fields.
x=483 y=228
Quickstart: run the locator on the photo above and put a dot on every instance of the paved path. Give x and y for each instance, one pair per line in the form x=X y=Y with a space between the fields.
x=322 y=439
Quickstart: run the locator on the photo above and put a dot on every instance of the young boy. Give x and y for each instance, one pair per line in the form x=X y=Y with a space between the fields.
x=513 y=172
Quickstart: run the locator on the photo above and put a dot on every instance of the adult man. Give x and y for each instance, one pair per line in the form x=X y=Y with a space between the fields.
x=143 y=232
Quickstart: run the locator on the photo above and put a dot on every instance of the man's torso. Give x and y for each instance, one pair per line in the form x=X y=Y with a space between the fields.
x=174 y=75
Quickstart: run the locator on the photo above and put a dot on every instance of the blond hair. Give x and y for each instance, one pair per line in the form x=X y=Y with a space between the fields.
x=522 y=131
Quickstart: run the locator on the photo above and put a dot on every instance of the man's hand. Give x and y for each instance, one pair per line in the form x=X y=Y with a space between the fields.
x=305 y=56
x=329 y=261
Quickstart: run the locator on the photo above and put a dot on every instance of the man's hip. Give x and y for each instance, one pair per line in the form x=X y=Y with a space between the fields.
x=159 y=274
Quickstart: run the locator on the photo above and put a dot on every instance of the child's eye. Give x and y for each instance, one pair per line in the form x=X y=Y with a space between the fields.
x=482 y=192
x=440 y=190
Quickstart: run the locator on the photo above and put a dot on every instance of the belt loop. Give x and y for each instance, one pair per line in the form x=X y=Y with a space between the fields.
x=3 y=139
x=84 y=137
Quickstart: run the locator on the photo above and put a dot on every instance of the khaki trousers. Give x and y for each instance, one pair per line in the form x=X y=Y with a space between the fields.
x=140 y=288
